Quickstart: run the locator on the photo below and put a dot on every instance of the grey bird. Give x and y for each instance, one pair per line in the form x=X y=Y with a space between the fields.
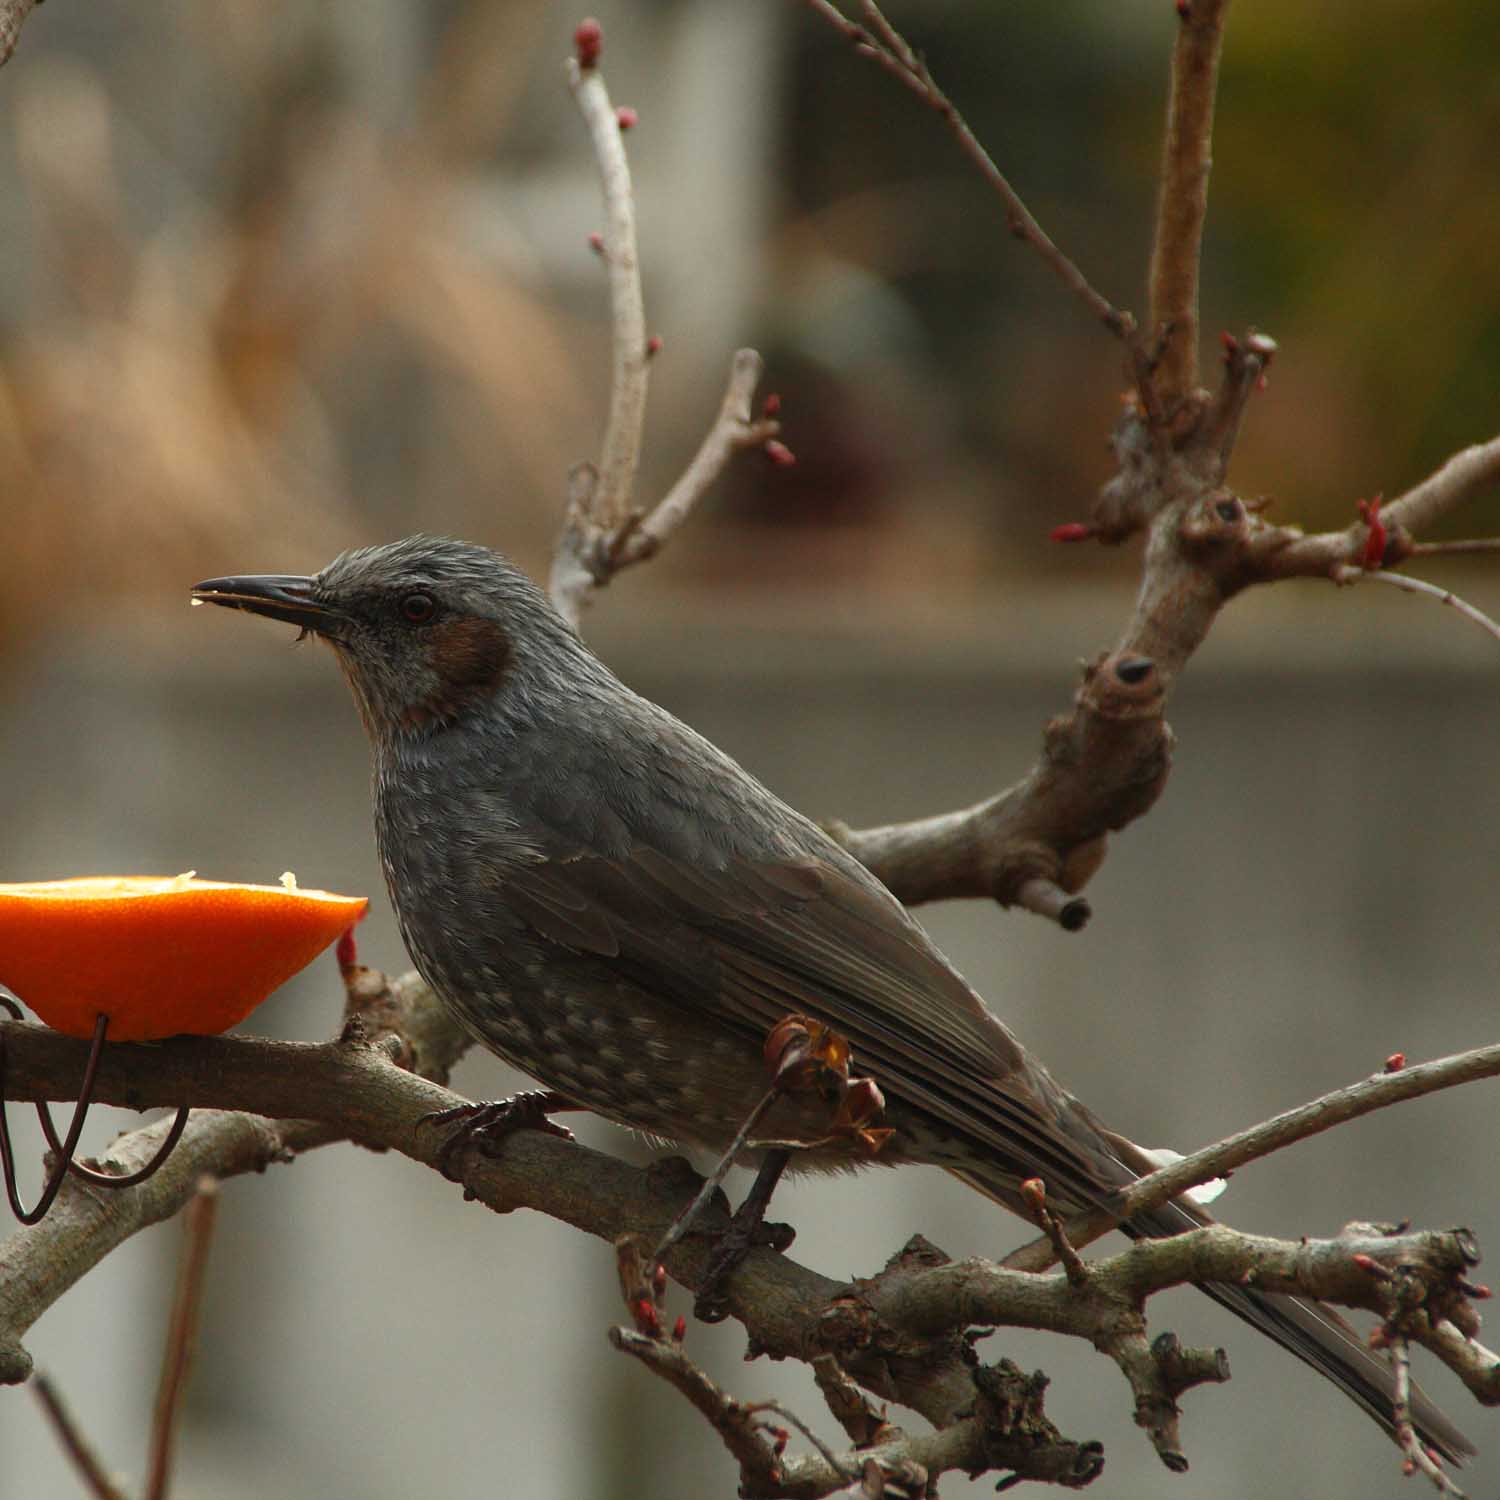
x=618 y=909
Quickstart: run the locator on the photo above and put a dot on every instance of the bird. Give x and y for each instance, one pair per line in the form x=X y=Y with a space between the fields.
x=617 y=908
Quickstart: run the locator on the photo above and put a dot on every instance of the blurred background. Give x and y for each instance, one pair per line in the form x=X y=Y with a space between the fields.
x=279 y=280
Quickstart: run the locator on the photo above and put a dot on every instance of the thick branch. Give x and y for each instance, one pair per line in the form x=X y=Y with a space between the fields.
x=1204 y=545
x=1037 y=843
x=1182 y=204
x=352 y=1087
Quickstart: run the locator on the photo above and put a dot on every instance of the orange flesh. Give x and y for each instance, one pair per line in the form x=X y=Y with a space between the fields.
x=160 y=956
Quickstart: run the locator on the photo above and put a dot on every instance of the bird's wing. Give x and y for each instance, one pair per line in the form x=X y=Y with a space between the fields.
x=758 y=937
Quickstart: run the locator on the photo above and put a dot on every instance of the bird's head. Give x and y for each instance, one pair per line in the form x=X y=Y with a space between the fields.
x=427 y=630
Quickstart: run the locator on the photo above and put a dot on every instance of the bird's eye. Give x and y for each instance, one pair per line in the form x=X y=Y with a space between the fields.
x=418 y=608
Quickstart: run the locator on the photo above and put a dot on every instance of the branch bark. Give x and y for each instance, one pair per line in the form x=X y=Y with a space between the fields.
x=1182 y=201
x=900 y=1334
x=603 y=530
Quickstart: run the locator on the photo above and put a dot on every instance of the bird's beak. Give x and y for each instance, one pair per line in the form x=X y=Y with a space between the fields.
x=278 y=595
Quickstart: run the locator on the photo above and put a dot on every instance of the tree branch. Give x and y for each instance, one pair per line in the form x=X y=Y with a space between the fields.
x=630 y=362
x=78 y=1448
x=1182 y=202
x=882 y=44
x=1379 y=1091
x=603 y=531
x=899 y=1334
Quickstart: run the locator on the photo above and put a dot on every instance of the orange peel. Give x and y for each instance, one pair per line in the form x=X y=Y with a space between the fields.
x=160 y=955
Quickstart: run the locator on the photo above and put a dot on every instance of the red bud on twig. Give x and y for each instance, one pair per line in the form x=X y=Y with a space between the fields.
x=626 y=117
x=1071 y=531
x=780 y=454
x=588 y=43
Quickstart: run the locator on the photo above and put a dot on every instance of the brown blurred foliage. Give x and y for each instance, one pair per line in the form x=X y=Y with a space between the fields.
x=283 y=279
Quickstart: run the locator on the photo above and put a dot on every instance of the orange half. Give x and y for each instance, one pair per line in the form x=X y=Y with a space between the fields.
x=160 y=955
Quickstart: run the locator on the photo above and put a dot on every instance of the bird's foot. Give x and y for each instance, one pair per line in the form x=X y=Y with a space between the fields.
x=747 y=1229
x=486 y=1125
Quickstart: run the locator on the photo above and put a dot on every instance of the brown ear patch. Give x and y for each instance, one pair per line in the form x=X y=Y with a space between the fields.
x=469 y=657
x=469 y=654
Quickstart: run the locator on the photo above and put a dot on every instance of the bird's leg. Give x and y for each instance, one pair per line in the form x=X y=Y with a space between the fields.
x=747 y=1229
x=485 y=1125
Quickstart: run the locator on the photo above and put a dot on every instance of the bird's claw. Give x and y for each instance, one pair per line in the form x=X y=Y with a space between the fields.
x=487 y=1124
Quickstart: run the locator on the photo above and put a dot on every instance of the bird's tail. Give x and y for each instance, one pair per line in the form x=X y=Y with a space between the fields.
x=1311 y=1330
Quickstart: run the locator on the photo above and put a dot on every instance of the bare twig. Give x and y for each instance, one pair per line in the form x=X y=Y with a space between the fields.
x=788 y=1415
x=182 y=1336
x=1455 y=548
x=1349 y=1103
x=603 y=531
x=733 y=429
x=621 y=449
x=973 y=1444
x=1418 y=1459
x=734 y=1421
x=1276 y=552
x=76 y=1445
x=689 y=1215
x=886 y=46
x=1451 y=483
x=1182 y=203
x=1403 y=581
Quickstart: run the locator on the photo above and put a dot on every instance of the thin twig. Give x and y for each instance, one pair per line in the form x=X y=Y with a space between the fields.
x=732 y=430
x=731 y=1419
x=1182 y=205
x=1409 y=585
x=684 y=1221
x=1418 y=1459
x=182 y=1336
x=888 y=48
x=77 y=1447
x=621 y=449
x=788 y=1415
x=1442 y=549
x=1218 y=1160
x=1452 y=481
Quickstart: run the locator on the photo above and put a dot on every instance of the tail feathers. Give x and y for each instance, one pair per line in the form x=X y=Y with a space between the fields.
x=1311 y=1330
